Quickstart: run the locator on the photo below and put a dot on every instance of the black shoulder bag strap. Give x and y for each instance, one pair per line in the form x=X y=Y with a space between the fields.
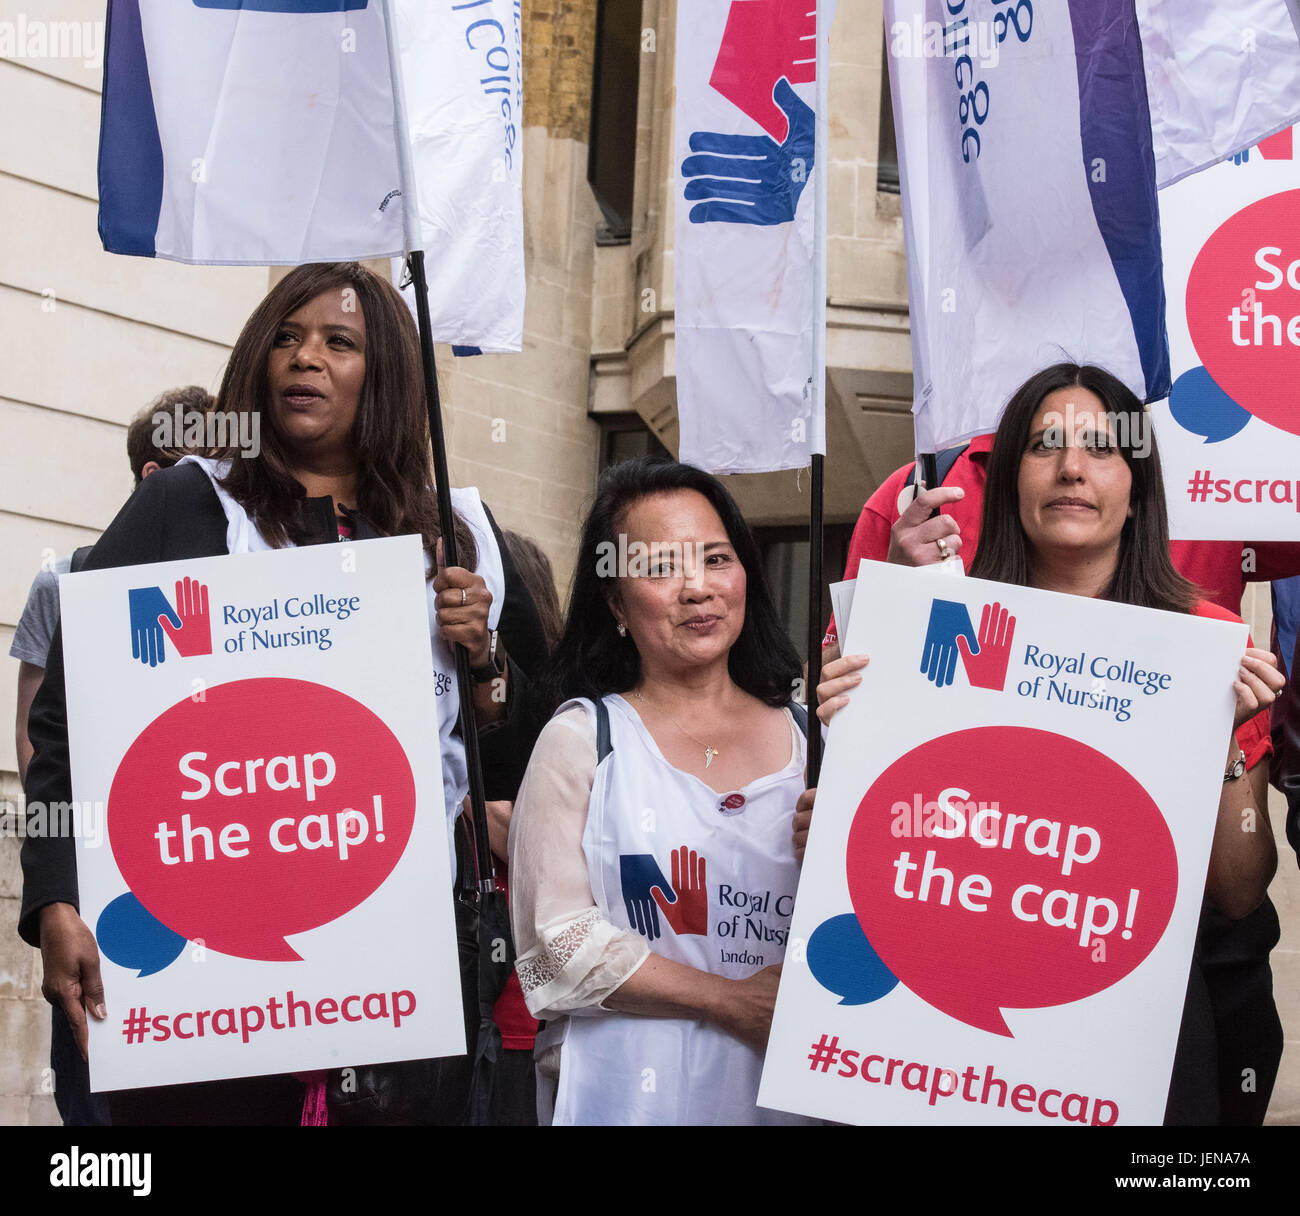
x=944 y=461
x=603 y=744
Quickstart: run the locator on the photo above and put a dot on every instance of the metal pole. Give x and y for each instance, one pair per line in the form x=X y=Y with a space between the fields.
x=815 y=579
x=447 y=519
x=414 y=240
x=818 y=429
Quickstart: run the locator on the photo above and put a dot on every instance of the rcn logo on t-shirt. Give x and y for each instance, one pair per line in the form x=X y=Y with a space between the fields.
x=154 y=618
x=285 y=6
x=984 y=656
x=646 y=893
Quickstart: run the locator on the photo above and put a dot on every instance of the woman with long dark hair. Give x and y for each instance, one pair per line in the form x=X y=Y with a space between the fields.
x=652 y=875
x=328 y=366
x=1075 y=502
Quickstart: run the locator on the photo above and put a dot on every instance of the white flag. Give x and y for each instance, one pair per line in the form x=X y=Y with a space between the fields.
x=264 y=132
x=462 y=68
x=745 y=249
x=1032 y=140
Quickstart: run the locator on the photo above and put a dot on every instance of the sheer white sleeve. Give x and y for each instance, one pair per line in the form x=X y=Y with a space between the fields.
x=569 y=956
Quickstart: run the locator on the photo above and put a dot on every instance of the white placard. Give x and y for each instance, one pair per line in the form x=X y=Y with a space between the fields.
x=1229 y=434
x=1019 y=824
x=261 y=838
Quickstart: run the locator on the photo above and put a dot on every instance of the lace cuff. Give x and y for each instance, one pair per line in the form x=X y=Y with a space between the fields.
x=577 y=963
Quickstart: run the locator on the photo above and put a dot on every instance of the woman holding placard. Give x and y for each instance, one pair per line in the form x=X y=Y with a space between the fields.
x=1074 y=503
x=328 y=366
x=652 y=878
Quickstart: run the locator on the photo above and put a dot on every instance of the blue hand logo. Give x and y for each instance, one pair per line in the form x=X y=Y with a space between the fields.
x=751 y=179
x=147 y=639
x=948 y=621
x=638 y=874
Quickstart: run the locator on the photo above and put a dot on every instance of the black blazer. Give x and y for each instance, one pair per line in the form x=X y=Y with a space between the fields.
x=175 y=514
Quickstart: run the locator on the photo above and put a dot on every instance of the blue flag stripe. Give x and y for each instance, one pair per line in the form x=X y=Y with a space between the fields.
x=1119 y=160
x=130 y=150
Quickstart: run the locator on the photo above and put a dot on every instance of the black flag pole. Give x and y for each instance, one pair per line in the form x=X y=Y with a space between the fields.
x=930 y=474
x=414 y=242
x=818 y=435
x=815 y=581
x=447 y=521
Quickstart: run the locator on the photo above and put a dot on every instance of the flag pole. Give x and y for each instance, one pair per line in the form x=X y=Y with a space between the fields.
x=414 y=243
x=817 y=430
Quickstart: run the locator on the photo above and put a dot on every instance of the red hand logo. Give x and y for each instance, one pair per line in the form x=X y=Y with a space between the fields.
x=765 y=40
x=1279 y=146
x=987 y=668
x=689 y=912
x=195 y=634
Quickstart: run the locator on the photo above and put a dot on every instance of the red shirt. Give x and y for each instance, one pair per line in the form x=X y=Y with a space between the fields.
x=518 y=1027
x=1219 y=568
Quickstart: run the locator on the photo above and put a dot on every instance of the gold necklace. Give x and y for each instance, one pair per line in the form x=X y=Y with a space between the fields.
x=709 y=752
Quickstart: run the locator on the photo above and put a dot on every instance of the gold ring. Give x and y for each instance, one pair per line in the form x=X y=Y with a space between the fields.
x=464 y=596
x=944 y=555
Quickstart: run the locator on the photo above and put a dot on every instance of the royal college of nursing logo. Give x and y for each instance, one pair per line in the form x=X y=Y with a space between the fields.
x=646 y=893
x=745 y=178
x=950 y=635
x=154 y=619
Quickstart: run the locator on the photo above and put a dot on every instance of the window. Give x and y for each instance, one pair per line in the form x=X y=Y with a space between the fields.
x=887 y=155
x=611 y=158
x=786 y=555
x=626 y=436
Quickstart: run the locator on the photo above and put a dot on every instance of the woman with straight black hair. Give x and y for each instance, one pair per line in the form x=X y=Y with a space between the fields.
x=651 y=868
x=1074 y=502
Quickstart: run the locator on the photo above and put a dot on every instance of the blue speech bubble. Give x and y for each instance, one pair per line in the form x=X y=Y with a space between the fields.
x=134 y=938
x=842 y=960
x=1199 y=405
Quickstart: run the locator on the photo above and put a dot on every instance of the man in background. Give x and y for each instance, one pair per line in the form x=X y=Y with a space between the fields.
x=77 y=1106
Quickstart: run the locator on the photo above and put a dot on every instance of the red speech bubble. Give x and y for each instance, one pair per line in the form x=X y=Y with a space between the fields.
x=1243 y=308
x=267 y=808
x=1111 y=844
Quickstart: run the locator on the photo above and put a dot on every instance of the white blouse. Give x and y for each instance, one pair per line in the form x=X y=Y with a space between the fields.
x=569 y=956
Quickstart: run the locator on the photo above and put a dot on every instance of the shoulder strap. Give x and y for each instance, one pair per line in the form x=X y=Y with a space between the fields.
x=603 y=744
x=945 y=460
x=800 y=713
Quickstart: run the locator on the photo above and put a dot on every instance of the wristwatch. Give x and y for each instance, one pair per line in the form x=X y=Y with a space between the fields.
x=494 y=668
x=1238 y=767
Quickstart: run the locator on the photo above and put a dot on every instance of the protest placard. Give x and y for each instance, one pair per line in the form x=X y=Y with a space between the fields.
x=1229 y=432
x=998 y=903
x=262 y=846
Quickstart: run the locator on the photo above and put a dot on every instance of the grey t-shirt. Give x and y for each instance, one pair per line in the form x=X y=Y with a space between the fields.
x=40 y=617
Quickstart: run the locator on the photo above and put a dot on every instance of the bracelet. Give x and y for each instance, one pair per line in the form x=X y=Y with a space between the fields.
x=494 y=668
